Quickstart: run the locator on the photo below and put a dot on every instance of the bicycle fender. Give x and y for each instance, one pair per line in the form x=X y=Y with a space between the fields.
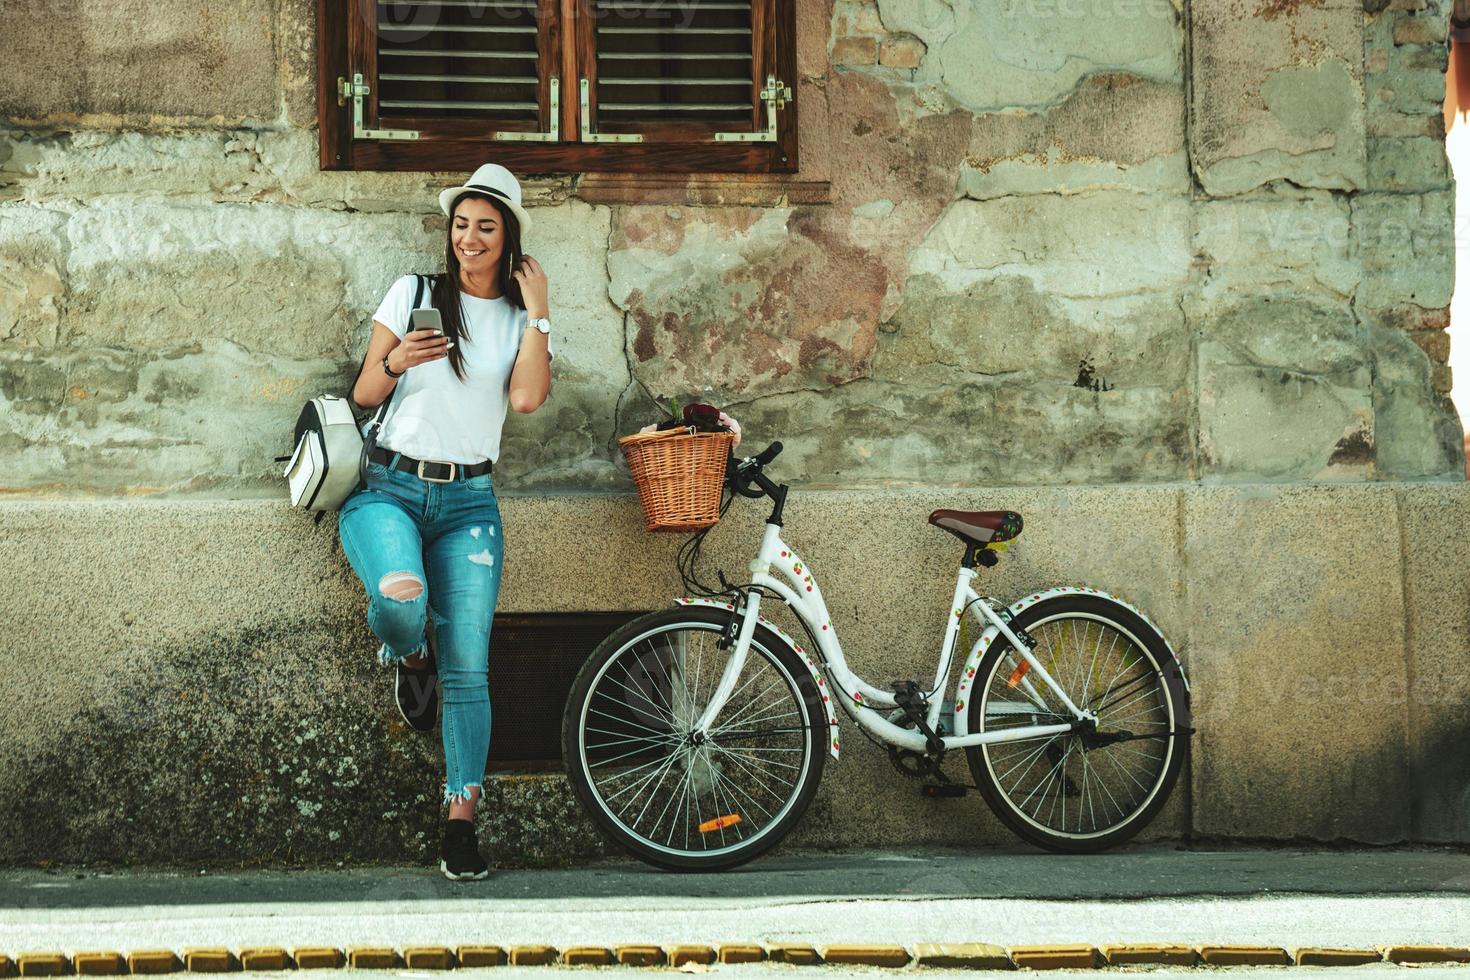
x=972 y=663
x=811 y=665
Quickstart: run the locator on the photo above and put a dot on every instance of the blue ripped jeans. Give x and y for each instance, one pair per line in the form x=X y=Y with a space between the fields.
x=399 y=530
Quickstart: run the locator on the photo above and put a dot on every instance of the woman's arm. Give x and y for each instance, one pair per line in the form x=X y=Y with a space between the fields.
x=530 y=377
x=373 y=384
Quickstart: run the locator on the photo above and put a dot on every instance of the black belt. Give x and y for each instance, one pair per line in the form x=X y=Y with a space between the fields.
x=432 y=470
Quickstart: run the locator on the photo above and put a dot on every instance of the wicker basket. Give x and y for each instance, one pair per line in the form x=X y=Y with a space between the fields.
x=679 y=475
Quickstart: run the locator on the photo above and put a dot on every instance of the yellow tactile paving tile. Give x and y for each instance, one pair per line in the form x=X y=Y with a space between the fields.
x=1244 y=955
x=1060 y=956
x=679 y=955
x=737 y=953
x=639 y=955
x=532 y=955
x=1426 y=954
x=798 y=955
x=95 y=963
x=1334 y=956
x=317 y=957
x=473 y=956
x=153 y=961
x=427 y=957
x=967 y=956
x=1140 y=954
x=866 y=955
x=41 y=963
x=264 y=958
x=371 y=957
x=209 y=959
x=586 y=956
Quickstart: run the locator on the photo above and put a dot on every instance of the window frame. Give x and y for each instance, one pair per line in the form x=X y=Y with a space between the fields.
x=341 y=36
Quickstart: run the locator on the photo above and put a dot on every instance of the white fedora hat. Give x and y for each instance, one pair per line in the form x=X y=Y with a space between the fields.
x=495 y=180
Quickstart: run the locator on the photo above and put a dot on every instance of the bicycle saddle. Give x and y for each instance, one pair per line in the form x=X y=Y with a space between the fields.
x=978 y=526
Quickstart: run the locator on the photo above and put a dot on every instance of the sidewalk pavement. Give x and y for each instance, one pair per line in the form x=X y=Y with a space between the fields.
x=1278 y=897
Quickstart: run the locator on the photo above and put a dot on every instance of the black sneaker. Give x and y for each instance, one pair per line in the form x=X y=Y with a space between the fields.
x=414 y=689
x=459 y=855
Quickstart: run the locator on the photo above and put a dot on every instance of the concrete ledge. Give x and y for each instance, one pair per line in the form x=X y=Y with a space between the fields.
x=208 y=663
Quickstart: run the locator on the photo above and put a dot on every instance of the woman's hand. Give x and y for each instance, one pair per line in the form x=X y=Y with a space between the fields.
x=532 y=280
x=418 y=347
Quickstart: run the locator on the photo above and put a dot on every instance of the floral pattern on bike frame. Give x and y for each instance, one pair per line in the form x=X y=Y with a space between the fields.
x=967 y=676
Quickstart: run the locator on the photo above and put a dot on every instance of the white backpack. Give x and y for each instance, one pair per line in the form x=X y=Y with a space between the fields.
x=330 y=459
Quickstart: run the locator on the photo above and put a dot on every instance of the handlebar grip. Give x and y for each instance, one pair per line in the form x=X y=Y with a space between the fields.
x=770 y=453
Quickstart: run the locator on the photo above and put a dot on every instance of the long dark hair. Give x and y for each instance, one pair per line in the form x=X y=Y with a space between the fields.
x=445 y=293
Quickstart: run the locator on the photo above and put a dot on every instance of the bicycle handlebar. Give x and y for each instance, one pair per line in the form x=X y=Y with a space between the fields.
x=770 y=453
x=740 y=474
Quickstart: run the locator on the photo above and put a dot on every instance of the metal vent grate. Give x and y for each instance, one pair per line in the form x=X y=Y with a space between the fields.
x=674 y=60
x=467 y=59
x=534 y=657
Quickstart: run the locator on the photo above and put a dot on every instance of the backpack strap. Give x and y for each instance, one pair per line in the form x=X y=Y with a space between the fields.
x=418 y=295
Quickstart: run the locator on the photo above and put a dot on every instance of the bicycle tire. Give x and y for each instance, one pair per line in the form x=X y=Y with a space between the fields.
x=991 y=764
x=768 y=649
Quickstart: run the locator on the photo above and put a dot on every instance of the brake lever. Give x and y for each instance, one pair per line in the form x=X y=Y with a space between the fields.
x=739 y=484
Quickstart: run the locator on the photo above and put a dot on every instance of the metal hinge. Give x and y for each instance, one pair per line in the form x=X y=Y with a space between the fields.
x=775 y=95
x=552 y=135
x=357 y=91
x=588 y=136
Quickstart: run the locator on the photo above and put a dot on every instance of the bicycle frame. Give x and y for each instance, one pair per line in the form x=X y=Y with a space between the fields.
x=799 y=589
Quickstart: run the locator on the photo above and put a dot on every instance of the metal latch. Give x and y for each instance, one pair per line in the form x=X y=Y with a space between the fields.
x=357 y=91
x=588 y=136
x=551 y=135
x=775 y=95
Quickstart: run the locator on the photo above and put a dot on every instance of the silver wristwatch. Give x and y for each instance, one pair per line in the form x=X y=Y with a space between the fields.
x=542 y=324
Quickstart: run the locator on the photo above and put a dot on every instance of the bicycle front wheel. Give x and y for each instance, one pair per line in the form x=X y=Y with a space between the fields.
x=674 y=800
x=1080 y=791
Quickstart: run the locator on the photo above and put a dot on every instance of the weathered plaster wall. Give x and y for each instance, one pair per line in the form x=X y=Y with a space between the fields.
x=1033 y=241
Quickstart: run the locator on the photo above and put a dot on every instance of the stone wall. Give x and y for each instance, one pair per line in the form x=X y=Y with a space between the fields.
x=216 y=698
x=1032 y=242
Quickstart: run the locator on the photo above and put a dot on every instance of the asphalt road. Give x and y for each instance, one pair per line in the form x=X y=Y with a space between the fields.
x=1274 y=897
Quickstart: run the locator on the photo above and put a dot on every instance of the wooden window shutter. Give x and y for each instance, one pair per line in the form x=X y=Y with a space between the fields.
x=557 y=85
x=704 y=74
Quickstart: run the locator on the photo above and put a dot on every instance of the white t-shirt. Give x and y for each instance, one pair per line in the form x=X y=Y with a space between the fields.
x=434 y=415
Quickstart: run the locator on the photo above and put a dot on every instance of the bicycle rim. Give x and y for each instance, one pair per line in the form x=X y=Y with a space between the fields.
x=653 y=784
x=1067 y=786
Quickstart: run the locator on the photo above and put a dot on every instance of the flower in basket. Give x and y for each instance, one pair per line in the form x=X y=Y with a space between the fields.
x=701 y=417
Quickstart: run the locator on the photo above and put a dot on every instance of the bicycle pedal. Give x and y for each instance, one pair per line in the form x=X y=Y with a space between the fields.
x=942 y=790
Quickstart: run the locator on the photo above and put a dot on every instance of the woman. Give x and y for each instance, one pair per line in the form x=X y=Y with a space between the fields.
x=424 y=533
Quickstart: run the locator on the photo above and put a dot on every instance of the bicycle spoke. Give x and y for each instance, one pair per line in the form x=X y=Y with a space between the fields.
x=657 y=786
x=1061 y=783
x=624 y=721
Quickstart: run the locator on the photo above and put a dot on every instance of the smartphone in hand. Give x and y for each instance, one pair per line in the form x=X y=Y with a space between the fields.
x=427 y=319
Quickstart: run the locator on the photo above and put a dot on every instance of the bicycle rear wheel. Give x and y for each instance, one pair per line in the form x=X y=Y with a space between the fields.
x=1080 y=792
x=670 y=799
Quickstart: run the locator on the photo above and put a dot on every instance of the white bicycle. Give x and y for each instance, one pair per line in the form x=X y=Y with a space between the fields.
x=696 y=736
